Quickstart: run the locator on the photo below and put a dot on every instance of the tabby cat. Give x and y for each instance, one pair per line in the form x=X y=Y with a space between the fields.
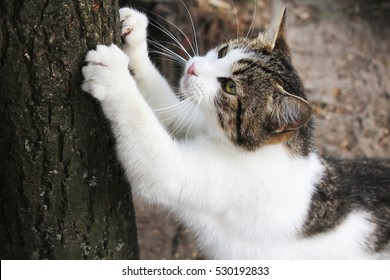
x=242 y=171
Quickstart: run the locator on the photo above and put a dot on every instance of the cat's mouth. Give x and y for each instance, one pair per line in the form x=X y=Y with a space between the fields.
x=191 y=88
x=185 y=82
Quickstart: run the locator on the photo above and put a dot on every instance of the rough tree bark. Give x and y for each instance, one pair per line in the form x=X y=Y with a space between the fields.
x=62 y=192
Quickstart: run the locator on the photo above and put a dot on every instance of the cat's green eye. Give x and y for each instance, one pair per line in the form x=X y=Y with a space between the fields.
x=222 y=52
x=229 y=87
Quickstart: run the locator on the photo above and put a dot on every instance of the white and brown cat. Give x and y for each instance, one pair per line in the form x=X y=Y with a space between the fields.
x=242 y=173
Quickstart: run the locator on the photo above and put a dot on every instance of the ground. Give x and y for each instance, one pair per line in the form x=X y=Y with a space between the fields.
x=341 y=51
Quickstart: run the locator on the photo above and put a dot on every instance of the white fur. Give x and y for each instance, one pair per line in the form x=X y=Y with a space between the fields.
x=241 y=205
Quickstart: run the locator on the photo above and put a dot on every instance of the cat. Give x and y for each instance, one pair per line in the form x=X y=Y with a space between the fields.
x=243 y=174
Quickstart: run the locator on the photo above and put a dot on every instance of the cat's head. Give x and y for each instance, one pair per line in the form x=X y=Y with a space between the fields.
x=250 y=88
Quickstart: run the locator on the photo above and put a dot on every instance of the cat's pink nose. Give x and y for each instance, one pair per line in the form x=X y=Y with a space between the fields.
x=192 y=70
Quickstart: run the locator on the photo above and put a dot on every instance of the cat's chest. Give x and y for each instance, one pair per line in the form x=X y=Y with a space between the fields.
x=266 y=190
x=262 y=202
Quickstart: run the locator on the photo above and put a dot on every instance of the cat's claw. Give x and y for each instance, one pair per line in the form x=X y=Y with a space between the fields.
x=105 y=72
x=134 y=25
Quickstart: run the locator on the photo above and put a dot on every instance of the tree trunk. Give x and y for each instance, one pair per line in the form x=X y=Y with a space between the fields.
x=62 y=193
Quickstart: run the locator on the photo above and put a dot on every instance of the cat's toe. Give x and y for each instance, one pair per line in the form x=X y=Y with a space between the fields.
x=94 y=89
x=134 y=24
x=105 y=71
x=124 y=13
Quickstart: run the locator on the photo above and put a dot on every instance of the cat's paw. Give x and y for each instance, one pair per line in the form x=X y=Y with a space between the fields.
x=134 y=25
x=106 y=71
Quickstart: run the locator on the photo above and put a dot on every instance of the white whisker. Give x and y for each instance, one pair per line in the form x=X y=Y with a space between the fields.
x=168 y=54
x=165 y=50
x=237 y=21
x=170 y=35
x=181 y=109
x=193 y=29
x=163 y=43
x=180 y=126
x=193 y=117
x=172 y=57
x=189 y=120
x=167 y=59
x=187 y=100
x=250 y=30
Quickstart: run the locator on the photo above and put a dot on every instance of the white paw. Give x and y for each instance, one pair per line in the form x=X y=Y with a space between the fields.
x=106 y=71
x=134 y=24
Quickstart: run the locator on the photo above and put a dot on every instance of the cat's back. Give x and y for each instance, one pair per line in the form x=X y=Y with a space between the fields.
x=352 y=186
x=365 y=183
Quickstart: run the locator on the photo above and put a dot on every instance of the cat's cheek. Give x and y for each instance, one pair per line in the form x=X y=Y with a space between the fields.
x=211 y=89
x=192 y=88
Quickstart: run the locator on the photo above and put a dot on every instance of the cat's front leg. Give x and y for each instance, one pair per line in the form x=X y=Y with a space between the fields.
x=151 y=83
x=134 y=35
x=151 y=159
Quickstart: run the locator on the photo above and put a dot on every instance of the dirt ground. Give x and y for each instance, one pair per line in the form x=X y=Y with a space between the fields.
x=341 y=51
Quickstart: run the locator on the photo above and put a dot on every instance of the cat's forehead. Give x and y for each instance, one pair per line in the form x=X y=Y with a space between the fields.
x=256 y=45
x=255 y=52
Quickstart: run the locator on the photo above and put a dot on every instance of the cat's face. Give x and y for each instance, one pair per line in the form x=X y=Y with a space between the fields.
x=250 y=87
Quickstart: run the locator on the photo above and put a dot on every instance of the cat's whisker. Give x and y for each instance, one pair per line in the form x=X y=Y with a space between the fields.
x=172 y=57
x=163 y=43
x=168 y=54
x=225 y=39
x=181 y=109
x=193 y=117
x=187 y=100
x=250 y=30
x=170 y=60
x=170 y=35
x=176 y=93
x=193 y=29
x=237 y=21
x=180 y=126
x=193 y=114
x=172 y=116
x=166 y=50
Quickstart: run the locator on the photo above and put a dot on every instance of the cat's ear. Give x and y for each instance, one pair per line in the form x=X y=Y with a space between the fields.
x=289 y=113
x=278 y=35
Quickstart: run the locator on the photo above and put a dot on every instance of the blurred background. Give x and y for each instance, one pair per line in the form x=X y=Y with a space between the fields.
x=341 y=51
